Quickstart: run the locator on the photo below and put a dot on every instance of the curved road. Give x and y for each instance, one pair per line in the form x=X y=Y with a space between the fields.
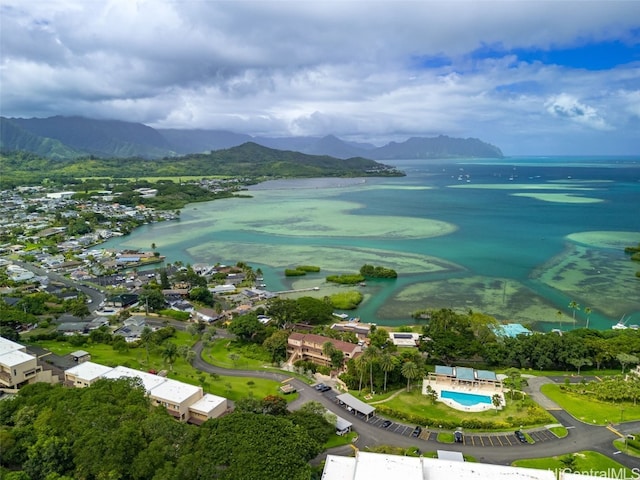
x=581 y=436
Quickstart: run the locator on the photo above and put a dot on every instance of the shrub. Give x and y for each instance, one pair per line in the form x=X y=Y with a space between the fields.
x=377 y=272
x=294 y=272
x=347 y=279
x=346 y=300
x=308 y=268
x=175 y=314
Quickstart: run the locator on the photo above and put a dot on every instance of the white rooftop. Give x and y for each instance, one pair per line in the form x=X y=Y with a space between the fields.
x=374 y=466
x=207 y=404
x=7 y=346
x=89 y=371
x=449 y=455
x=172 y=390
x=15 y=357
x=149 y=380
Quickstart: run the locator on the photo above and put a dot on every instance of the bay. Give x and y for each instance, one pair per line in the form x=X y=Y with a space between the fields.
x=518 y=238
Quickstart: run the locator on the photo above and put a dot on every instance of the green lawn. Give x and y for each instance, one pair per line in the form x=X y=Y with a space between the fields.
x=415 y=403
x=235 y=355
x=232 y=388
x=585 y=461
x=621 y=445
x=229 y=354
x=590 y=410
x=445 y=437
x=559 y=432
x=339 y=440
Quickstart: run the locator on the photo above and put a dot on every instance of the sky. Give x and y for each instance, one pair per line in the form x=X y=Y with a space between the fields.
x=531 y=77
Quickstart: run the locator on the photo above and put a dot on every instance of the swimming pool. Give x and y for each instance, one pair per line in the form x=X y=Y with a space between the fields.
x=466 y=399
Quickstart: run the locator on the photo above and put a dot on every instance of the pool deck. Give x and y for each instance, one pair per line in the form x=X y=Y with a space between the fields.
x=454 y=386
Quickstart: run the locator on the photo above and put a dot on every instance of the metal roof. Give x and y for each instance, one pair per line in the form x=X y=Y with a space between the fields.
x=465 y=373
x=486 y=375
x=444 y=370
x=356 y=404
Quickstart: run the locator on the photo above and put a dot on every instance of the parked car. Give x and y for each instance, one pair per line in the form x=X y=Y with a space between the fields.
x=458 y=437
x=386 y=424
x=325 y=388
x=520 y=436
x=319 y=386
x=416 y=431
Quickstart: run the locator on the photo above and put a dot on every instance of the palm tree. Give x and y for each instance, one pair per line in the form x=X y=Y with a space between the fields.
x=573 y=305
x=370 y=357
x=559 y=315
x=587 y=311
x=170 y=353
x=146 y=336
x=410 y=371
x=497 y=401
x=361 y=365
x=388 y=362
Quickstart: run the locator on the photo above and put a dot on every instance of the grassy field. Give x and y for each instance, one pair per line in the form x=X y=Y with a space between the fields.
x=590 y=410
x=229 y=354
x=592 y=463
x=339 y=440
x=232 y=388
x=415 y=403
x=235 y=355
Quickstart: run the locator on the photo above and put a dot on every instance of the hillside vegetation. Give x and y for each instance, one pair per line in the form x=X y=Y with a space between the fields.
x=249 y=161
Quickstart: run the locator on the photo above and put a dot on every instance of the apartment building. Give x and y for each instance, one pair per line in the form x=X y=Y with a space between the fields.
x=308 y=346
x=184 y=401
x=18 y=368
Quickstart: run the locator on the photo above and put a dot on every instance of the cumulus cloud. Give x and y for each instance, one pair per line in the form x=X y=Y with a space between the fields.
x=360 y=70
x=567 y=106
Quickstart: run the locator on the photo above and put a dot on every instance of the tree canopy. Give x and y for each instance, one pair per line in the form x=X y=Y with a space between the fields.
x=110 y=430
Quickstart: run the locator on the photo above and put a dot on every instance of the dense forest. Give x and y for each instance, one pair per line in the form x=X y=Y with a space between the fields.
x=110 y=430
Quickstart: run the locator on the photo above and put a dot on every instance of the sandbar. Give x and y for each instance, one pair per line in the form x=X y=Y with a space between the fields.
x=558 y=197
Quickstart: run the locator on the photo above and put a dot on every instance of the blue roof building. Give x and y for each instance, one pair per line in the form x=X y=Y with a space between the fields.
x=511 y=330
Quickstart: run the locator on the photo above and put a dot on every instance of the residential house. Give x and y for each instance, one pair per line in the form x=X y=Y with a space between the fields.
x=361 y=330
x=309 y=346
x=19 y=368
x=206 y=315
x=405 y=339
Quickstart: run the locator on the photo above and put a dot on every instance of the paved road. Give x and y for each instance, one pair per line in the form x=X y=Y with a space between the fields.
x=581 y=436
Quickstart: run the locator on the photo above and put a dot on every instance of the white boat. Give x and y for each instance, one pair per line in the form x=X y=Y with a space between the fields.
x=621 y=325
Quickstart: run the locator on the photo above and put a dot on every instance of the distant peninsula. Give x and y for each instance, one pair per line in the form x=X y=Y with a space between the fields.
x=67 y=138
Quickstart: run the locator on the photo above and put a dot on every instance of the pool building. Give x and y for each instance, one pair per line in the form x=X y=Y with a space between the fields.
x=465 y=388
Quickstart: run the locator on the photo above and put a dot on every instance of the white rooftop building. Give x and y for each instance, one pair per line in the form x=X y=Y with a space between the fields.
x=18 y=368
x=378 y=466
x=182 y=400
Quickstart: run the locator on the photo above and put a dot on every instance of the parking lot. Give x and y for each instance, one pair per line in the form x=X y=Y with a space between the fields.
x=506 y=439
x=475 y=440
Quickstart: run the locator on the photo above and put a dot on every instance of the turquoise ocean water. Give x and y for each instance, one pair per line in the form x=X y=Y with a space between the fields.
x=527 y=237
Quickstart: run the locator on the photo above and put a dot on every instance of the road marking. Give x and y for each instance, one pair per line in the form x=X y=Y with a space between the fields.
x=572 y=426
x=553 y=408
x=609 y=427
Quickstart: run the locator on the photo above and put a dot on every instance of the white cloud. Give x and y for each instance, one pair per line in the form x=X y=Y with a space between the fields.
x=569 y=107
x=350 y=67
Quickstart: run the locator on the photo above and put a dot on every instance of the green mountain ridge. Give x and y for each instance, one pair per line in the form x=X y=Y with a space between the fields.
x=70 y=137
x=249 y=160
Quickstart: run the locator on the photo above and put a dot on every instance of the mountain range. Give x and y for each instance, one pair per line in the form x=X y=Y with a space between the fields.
x=72 y=137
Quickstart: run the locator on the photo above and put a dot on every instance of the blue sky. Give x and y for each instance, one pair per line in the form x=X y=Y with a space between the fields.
x=553 y=77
